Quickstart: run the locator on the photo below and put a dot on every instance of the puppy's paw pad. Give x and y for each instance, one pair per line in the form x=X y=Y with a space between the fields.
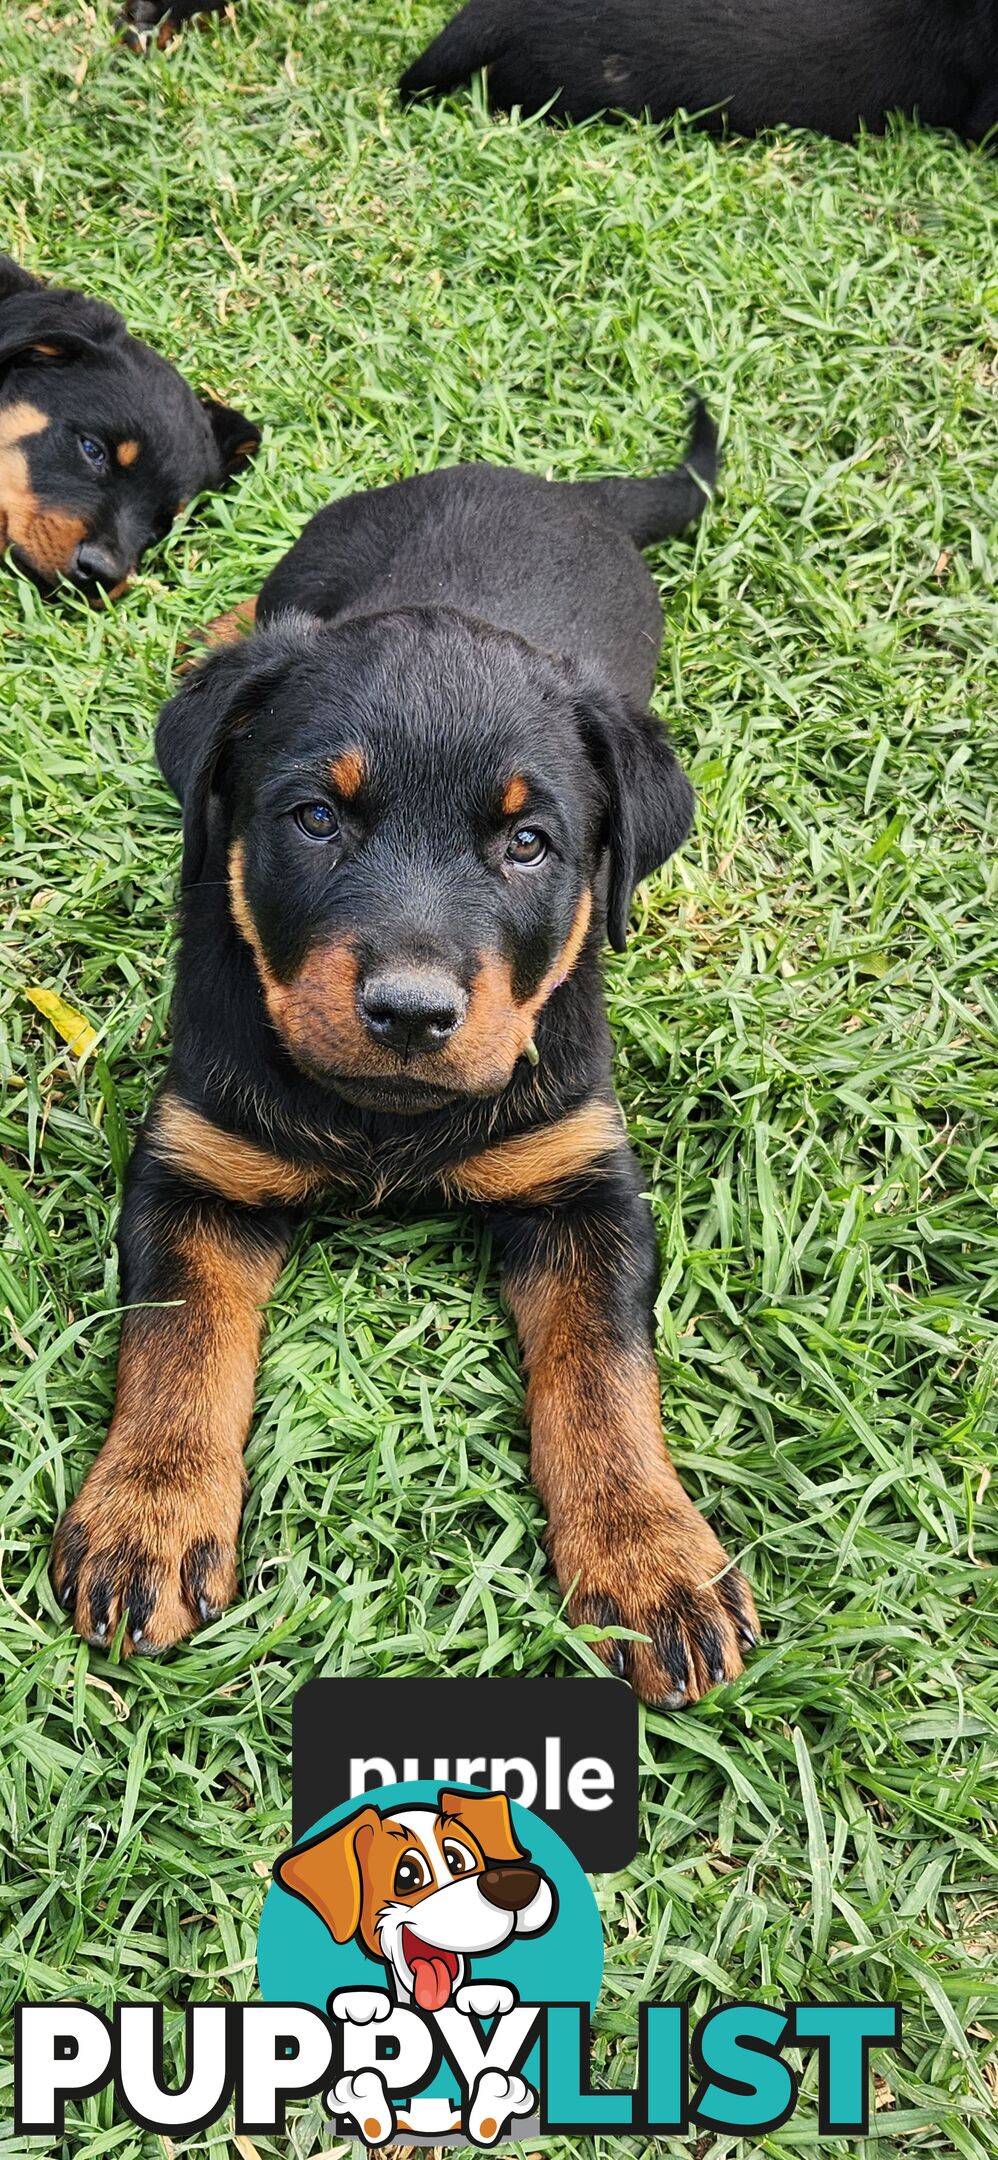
x=497 y=2097
x=364 y=2099
x=485 y=1998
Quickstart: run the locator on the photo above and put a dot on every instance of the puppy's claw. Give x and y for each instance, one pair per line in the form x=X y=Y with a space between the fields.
x=162 y=1587
x=674 y=1701
x=669 y=1581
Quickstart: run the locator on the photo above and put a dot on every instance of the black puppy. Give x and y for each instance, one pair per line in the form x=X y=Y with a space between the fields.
x=101 y=441
x=414 y=804
x=140 y=19
x=823 y=64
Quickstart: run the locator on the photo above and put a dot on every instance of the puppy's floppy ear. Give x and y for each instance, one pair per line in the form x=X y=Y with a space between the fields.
x=236 y=438
x=488 y=1818
x=45 y=325
x=327 y=1872
x=13 y=279
x=649 y=799
x=206 y=713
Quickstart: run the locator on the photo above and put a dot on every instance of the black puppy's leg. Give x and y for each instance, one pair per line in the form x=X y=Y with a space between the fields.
x=152 y=1533
x=468 y=43
x=627 y=1543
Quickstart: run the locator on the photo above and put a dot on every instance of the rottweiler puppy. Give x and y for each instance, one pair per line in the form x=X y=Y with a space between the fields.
x=822 y=64
x=101 y=441
x=416 y=800
x=143 y=22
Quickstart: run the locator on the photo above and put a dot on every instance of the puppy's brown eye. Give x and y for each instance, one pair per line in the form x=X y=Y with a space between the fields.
x=317 y=821
x=527 y=846
x=458 y=1858
x=411 y=1874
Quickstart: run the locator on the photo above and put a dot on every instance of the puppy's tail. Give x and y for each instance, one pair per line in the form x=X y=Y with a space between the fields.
x=652 y=509
x=467 y=44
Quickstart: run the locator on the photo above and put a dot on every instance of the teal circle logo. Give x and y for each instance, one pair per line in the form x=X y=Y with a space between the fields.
x=441 y=1907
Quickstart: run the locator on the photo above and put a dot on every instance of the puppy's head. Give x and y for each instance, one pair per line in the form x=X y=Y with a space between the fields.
x=423 y=1889
x=101 y=441
x=422 y=822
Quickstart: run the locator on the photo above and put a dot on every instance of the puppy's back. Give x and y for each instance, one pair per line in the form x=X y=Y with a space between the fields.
x=555 y=562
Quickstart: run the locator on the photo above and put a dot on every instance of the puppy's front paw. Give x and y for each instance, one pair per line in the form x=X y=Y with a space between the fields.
x=664 y=1575
x=225 y=629
x=364 y=2098
x=360 y=2006
x=162 y=1555
x=496 y=2099
x=484 y=1998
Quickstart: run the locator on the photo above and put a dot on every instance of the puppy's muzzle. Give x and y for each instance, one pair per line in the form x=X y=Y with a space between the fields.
x=411 y=1010
x=511 y=1888
x=96 y=566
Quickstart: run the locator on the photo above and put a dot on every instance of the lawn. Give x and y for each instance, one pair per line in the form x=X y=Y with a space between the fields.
x=806 y=1023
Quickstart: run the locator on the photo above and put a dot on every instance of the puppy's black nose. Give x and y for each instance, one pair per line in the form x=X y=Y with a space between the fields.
x=95 y=565
x=511 y=1888
x=411 y=1009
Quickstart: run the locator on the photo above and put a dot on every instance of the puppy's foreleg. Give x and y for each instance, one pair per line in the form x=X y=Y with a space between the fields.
x=151 y=1536
x=628 y=1544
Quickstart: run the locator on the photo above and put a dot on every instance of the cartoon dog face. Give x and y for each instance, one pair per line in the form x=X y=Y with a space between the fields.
x=423 y=1889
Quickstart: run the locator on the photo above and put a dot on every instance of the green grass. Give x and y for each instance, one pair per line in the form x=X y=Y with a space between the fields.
x=806 y=1022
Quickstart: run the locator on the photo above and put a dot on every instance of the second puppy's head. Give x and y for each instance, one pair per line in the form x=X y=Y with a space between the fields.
x=423 y=823
x=101 y=440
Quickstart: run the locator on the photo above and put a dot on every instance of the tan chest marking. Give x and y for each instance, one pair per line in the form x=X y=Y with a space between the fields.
x=535 y=1164
x=238 y=1169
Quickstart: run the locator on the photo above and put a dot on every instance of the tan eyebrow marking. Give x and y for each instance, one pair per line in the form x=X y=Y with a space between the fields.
x=127 y=452
x=347 y=773
x=19 y=420
x=515 y=794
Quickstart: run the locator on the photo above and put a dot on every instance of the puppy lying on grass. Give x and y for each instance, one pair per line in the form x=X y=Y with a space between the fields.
x=822 y=64
x=416 y=802
x=101 y=440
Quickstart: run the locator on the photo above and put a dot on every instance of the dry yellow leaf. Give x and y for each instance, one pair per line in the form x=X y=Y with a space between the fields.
x=74 y=1028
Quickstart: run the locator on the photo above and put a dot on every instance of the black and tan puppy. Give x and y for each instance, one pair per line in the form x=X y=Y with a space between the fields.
x=822 y=64
x=143 y=22
x=101 y=441
x=415 y=802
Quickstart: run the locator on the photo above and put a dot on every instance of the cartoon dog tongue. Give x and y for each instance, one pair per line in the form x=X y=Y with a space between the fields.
x=433 y=1972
